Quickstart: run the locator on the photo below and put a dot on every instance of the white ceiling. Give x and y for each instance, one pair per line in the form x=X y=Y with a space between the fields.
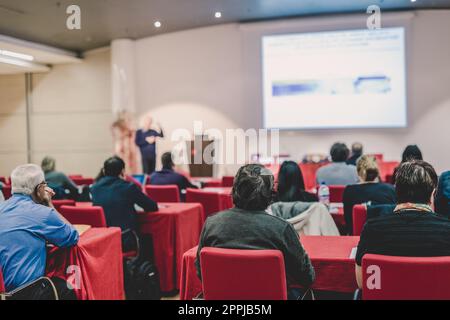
x=44 y=21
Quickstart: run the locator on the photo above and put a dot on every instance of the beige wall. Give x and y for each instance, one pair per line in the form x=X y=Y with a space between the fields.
x=214 y=74
x=70 y=116
x=13 y=141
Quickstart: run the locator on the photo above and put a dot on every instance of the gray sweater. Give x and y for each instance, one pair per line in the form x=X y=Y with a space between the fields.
x=241 y=229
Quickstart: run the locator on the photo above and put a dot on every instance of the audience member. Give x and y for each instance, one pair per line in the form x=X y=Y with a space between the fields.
x=118 y=199
x=442 y=201
x=370 y=190
x=337 y=172
x=411 y=152
x=291 y=186
x=413 y=229
x=357 y=151
x=168 y=176
x=248 y=226
x=28 y=221
x=58 y=181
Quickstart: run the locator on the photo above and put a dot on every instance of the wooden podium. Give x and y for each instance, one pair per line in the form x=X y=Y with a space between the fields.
x=197 y=165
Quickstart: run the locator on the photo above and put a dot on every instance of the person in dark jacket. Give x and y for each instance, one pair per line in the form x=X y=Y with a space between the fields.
x=58 y=180
x=369 y=191
x=249 y=226
x=168 y=176
x=442 y=201
x=146 y=141
x=357 y=151
x=413 y=229
x=118 y=199
x=291 y=186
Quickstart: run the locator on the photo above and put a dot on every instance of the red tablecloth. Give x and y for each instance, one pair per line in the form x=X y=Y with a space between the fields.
x=98 y=257
x=175 y=228
x=330 y=256
x=208 y=181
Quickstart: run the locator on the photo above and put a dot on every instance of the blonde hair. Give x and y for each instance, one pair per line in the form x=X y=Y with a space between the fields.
x=367 y=168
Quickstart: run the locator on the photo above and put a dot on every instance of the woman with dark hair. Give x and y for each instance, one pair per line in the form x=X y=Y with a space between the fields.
x=411 y=152
x=291 y=186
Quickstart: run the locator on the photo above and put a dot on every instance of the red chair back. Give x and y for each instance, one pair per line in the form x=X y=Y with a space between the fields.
x=231 y=274
x=74 y=176
x=387 y=168
x=166 y=193
x=309 y=173
x=405 y=278
x=227 y=181
x=359 y=218
x=211 y=201
x=6 y=190
x=133 y=180
x=2 y=283
x=336 y=193
x=389 y=178
x=378 y=156
x=4 y=180
x=59 y=203
x=93 y=216
x=83 y=181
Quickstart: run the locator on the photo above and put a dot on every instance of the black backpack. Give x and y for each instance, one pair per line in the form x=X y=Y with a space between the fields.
x=141 y=280
x=141 y=277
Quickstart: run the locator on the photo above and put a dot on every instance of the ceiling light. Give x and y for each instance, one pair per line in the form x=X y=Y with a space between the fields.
x=17 y=55
x=218 y=14
x=157 y=24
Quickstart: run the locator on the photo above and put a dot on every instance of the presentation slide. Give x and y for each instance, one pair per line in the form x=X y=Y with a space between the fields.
x=338 y=79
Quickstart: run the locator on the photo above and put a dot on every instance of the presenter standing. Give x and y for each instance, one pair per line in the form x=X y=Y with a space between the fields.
x=146 y=141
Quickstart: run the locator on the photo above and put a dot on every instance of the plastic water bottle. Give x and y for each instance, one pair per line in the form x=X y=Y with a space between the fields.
x=324 y=194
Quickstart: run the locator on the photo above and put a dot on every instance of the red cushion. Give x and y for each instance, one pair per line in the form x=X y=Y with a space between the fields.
x=230 y=274
x=405 y=278
x=359 y=218
x=93 y=216
x=167 y=193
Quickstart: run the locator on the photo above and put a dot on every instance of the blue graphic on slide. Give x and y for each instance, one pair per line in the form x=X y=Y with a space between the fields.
x=375 y=84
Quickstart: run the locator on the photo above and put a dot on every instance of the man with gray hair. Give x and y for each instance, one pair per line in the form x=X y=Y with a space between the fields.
x=28 y=221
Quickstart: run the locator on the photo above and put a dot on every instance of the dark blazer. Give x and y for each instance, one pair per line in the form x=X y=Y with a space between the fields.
x=118 y=197
x=168 y=176
x=442 y=201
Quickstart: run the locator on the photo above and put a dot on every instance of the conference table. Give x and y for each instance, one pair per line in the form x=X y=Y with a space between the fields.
x=330 y=255
x=175 y=228
x=205 y=182
x=93 y=267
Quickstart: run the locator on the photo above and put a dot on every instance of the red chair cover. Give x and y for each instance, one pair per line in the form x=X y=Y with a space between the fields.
x=83 y=181
x=2 y=283
x=4 y=180
x=230 y=274
x=59 y=203
x=6 y=192
x=336 y=193
x=166 y=193
x=309 y=173
x=227 y=181
x=405 y=278
x=359 y=218
x=211 y=201
x=93 y=216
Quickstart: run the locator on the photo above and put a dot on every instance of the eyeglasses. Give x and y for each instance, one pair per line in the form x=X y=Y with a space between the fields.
x=43 y=183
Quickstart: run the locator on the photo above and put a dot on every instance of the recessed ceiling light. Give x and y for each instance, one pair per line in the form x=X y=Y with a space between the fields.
x=413 y=0
x=157 y=24
x=218 y=14
x=17 y=55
